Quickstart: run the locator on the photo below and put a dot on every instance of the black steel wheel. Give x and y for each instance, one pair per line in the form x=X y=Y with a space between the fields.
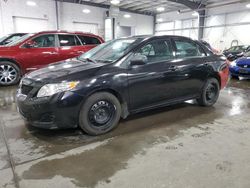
x=100 y=113
x=210 y=93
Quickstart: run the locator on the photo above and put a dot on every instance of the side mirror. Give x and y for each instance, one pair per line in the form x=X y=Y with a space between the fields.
x=138 y=59
x=29 y=44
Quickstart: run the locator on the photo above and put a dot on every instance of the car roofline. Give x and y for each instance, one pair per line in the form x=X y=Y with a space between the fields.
x=155 y=37
x=65 y=32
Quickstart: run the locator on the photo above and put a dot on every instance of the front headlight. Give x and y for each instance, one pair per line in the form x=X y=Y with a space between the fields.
x=233 y=64
x=51 y=89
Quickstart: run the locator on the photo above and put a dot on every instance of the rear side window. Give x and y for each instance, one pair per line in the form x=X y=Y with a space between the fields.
x=87 y=40
x=68 y=40
x=185 y=48
x=44 y=41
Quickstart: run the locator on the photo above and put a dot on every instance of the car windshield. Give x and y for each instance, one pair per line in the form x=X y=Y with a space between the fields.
x=247 y=54
x=238 y=48
x=18 y=41
x=111 y=51
x=4 y=37
x=13 y=38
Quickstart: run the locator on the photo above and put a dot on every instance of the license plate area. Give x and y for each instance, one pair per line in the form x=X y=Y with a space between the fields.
x=244 y=71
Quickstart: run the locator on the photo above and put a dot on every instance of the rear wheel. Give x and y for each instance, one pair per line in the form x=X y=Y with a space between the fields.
x=210 y=93
x=9 y=73
x=100 y=113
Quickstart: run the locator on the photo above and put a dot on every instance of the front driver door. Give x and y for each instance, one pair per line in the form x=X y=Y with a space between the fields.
x=43 y=52
x=149 y=83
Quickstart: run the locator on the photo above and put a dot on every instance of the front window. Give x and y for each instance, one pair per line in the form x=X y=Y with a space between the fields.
x=157 y=51
x=44 y=41
x=20 y=40
x=111 y=51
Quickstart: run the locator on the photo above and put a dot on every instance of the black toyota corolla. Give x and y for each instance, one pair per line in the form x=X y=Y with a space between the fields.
x=118 y=78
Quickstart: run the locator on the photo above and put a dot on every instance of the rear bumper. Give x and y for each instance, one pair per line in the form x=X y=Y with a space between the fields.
x=224 y=77
x=59 y=111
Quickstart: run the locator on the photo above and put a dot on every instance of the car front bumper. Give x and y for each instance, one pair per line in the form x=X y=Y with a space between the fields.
x=55 y=112
x=238 y=71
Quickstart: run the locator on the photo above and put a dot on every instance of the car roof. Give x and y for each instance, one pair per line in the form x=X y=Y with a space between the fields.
x=66 y=32
x=155 y=37
x=19 y=33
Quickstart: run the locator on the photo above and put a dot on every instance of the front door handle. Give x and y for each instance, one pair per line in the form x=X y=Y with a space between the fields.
x=80 y=52
x=173 y=68
x=50 y=53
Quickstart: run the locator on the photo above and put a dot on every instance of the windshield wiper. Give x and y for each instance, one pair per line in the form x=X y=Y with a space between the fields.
x=105 y=60
x=88 y=59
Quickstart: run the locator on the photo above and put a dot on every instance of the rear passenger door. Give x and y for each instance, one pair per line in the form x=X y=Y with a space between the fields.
x=190 y=66
x=88 y=42
x=151 y=84
x=69 y=46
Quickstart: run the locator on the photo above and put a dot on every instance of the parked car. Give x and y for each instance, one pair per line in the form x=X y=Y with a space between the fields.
x=236 y=51
x=10 y=38
x=231 y=57
x=119 y=78
x=34 y=51
x=241 y=67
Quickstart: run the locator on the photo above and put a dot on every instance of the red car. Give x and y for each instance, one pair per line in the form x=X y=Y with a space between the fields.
x=33 y=51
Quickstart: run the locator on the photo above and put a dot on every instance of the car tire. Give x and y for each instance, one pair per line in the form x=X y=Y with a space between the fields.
x=10 y=73
x=100 y=113
x=210 y=93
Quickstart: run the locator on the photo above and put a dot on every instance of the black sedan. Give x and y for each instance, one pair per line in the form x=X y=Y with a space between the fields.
x=118 y=78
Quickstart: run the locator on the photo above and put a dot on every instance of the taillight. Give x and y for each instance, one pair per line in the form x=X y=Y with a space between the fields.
x=224 y=74
x=228 y=62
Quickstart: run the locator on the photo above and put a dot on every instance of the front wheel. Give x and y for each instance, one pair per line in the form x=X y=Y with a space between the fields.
x=100 y=113
x=210 y=93
x=9 y=73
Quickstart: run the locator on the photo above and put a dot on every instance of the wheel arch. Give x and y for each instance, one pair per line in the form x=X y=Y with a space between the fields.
x=12 y=61
x=216 y=76
x=123 y=102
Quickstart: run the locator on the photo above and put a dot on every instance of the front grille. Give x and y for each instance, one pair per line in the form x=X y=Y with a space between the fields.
x=26 y=89
x=244 y=66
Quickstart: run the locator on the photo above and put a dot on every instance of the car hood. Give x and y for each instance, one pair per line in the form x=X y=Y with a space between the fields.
x=243 y=61
x=68 y=70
